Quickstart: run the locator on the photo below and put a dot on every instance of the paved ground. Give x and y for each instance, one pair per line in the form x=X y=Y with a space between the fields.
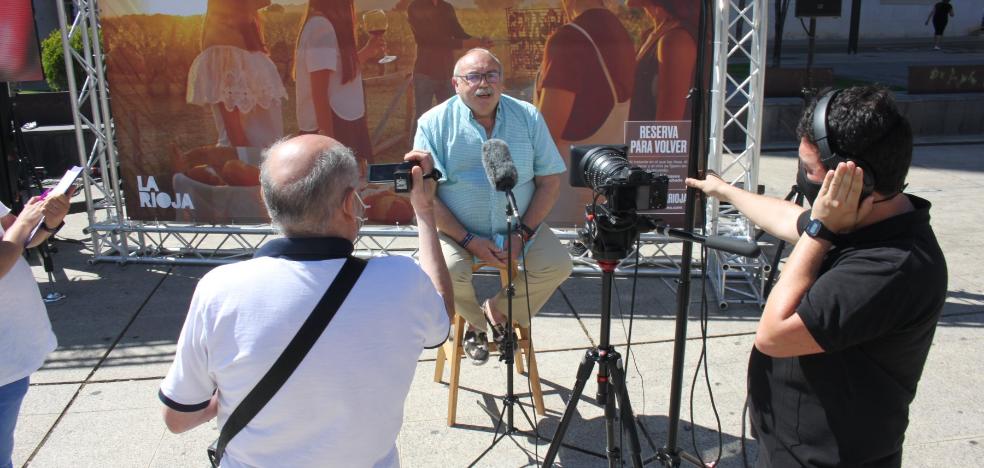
x=94 y=402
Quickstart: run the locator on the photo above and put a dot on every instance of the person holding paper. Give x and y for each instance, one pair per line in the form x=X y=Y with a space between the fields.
x=25 y=337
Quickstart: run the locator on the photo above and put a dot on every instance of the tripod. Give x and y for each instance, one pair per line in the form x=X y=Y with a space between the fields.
x=610 y=374
x=508 y=345
x=29 y=182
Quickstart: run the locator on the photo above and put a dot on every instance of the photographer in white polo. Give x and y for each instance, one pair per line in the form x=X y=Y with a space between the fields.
x=343 y=404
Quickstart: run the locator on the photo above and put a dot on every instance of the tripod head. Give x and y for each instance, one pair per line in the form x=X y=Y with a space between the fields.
x=610 y=236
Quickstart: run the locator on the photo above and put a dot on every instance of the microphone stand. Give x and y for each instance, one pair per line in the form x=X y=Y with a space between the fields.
x=507 y=348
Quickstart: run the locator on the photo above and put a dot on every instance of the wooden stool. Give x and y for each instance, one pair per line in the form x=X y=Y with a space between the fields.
x=452 y=350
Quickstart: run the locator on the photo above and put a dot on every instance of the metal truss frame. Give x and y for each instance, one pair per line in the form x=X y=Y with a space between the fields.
x=741 y=28
x=735 y=102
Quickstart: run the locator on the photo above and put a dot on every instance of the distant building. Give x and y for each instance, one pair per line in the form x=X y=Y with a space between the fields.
x=885 y=19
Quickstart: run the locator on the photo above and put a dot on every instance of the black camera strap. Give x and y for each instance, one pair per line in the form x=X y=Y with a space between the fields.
x=292 y=356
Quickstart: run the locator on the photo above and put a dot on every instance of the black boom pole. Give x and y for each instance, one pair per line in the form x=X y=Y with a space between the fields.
x=670 y=454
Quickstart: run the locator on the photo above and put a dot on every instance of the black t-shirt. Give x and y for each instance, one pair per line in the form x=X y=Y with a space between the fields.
x=873 y=309
x=941 y=11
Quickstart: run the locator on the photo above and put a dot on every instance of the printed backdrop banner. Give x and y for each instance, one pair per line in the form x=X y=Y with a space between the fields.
x=201 y=86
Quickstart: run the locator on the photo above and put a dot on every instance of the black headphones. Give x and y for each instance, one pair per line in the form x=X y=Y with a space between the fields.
x=830 y=153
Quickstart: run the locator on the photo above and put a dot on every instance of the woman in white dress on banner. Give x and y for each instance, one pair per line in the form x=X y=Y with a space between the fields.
x=328 y=72
x=235 y=78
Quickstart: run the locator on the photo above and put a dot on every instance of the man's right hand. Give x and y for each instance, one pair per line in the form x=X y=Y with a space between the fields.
x=20 y=231
x=422 y=192
x=486 y=251
x=712 y=185
x=31 y=215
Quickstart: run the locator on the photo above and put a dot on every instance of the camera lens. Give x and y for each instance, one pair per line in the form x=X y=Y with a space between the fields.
x=603 y=164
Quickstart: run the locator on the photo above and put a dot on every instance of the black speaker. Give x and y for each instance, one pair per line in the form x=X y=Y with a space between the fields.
x=814 y=8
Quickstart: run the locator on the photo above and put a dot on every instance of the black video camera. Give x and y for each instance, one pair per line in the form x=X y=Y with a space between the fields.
x=627 y=189
x=632 y=195
x=399 y=174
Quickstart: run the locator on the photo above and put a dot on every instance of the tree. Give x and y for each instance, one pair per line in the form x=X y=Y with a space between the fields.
x=53 y=61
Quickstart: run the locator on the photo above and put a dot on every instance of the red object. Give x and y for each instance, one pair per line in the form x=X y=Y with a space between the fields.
x=19 y=57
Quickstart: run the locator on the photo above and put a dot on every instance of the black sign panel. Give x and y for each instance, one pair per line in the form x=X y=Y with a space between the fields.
x=814 y=8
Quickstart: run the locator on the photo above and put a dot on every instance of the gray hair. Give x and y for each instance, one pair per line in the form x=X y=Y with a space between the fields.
x=304 y=205
x=495 y=59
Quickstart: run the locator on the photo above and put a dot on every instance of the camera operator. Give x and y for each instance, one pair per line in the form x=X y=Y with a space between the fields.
x=25 y=332
x=343 y=405
x=469 y=210
x=845 y=333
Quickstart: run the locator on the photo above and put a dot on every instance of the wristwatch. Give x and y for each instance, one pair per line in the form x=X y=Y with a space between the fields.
x=526 y=231
x=53 y=230
x=817 y=230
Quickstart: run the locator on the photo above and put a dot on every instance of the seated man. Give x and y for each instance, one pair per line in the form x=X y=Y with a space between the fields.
x=470 y=213
x=845 y=332
x=343 y=405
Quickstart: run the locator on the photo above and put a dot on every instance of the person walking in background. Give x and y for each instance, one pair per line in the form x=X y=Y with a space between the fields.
x=331 y=100
x=25 y=332
x=940 y=15
x=234 y=76
x=438 y=34
x=665 y=62
x=583 y=88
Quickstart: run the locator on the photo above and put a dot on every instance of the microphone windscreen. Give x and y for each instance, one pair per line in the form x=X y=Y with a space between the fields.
x=499 y=167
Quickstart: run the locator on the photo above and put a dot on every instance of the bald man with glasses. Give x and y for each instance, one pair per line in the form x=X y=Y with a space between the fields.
x=471 y=214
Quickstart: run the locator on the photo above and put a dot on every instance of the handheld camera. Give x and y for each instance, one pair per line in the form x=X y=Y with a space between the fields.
x=399 y=174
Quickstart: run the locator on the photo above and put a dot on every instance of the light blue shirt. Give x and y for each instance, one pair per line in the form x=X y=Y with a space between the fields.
x=454 y=138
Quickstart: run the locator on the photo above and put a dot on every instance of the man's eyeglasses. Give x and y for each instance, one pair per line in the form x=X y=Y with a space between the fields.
x=362 y=218
x=475 y=78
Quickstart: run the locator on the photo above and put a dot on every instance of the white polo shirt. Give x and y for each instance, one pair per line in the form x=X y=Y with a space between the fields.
x=343 y=406
x=25 y=332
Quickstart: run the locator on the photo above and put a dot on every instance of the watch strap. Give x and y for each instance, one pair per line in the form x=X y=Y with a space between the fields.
x=816 y=229
x=53 y=230
x=526 y=231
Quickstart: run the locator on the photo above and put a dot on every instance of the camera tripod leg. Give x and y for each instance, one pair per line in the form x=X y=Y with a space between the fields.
x=496 y=437
x=617 y=374
x=583 y=372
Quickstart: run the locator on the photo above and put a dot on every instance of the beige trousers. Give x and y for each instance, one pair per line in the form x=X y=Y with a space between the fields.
x=547 y=264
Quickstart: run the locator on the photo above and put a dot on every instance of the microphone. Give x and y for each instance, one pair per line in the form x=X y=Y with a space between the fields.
x=727 y=244
x=499 y=167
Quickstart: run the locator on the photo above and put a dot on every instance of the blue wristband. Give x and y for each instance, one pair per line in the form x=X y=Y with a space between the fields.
x=468 y=238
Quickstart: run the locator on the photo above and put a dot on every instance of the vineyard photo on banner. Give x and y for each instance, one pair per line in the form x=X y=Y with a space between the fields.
x=200 y=87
